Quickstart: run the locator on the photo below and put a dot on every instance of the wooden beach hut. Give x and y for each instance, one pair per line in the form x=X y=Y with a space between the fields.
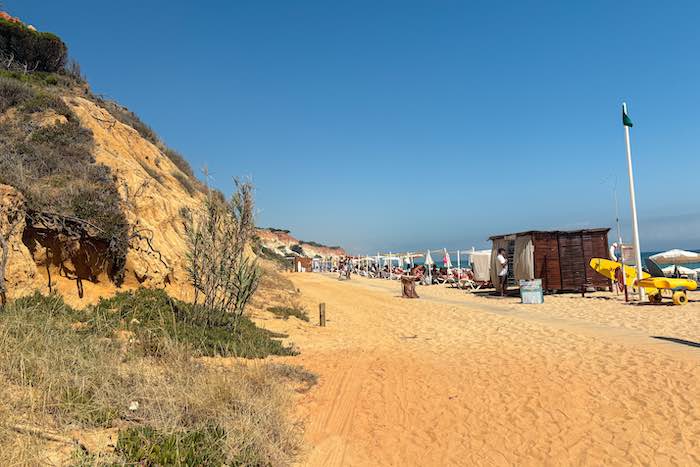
x=301 y=264
x=560 y=258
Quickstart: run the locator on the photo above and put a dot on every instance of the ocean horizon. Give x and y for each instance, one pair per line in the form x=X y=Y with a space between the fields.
x=438 y=259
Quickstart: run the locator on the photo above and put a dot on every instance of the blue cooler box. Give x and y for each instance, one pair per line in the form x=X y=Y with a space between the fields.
x=531 y=291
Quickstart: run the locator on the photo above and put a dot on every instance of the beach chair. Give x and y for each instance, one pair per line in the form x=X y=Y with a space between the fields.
x=470 y=283
x=452 y=278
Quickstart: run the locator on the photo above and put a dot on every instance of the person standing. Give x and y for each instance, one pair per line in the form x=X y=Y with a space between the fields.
x=502 y=263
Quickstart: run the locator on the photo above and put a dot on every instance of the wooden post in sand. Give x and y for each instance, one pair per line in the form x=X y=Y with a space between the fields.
x=322 y=315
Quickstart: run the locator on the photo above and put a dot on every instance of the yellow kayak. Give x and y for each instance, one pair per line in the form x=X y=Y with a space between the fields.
x=653 y=286
x=608 y=268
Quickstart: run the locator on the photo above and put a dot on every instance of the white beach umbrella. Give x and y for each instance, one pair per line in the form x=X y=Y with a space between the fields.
x=668 y=270
x=676 y=256
x=429 y=262
x=446 y=260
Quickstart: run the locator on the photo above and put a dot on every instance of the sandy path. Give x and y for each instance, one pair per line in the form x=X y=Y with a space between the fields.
x=440 y=382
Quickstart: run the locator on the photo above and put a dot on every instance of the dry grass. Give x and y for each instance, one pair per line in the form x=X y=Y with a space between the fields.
x=58 y=378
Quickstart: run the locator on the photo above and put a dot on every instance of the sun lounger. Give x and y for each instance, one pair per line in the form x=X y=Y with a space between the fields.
x=470 y=283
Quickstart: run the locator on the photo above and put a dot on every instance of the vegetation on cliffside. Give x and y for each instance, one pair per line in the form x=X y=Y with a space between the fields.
x=139 y=364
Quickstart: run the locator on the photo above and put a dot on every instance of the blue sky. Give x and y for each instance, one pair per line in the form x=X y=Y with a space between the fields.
x=404 y=125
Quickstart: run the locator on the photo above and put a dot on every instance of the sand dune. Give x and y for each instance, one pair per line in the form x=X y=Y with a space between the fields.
x=453 y=379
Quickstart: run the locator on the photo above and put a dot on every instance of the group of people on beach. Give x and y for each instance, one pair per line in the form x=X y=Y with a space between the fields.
x=425 y=275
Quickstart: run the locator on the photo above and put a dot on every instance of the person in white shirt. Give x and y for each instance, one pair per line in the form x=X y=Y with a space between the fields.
x=502 y=263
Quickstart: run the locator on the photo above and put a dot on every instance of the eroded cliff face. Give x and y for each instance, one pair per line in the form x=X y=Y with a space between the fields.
x=151 y=197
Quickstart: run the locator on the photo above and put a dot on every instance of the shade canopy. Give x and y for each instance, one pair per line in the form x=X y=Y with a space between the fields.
x=676 y=256
x=429 y=259
x=478 y=253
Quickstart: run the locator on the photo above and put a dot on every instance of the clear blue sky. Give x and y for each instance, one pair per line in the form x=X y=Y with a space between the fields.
x=398 y=125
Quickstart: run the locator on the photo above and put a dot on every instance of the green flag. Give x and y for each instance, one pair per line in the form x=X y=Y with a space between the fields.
x=625 y=119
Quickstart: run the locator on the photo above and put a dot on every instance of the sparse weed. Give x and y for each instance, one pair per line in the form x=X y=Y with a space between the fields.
x=285 y=312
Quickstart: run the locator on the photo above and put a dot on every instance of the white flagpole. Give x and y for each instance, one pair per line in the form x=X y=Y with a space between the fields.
x=633 y=203
x=619 y=239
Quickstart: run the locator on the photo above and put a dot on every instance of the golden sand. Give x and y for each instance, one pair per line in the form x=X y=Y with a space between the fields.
x=458 y=379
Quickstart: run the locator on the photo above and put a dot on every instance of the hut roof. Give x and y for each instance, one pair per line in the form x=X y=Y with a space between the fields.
x=530 y=232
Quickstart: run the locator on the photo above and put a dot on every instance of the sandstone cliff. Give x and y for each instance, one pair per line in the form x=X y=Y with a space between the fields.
x=151 y=197
x=283 y=243
x=152 y=192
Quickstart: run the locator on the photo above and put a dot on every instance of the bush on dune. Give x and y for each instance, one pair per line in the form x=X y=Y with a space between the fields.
x=68 y=368
x=158 y=321
x=40 y=51
x=42 y=79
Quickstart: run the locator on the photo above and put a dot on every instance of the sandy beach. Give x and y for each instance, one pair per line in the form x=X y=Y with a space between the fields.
x=459 y=379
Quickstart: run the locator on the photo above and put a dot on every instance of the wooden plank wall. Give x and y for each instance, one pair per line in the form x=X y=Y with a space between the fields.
x=562 y=259
x=571 y=259
x=546 y=259
x=598 y=249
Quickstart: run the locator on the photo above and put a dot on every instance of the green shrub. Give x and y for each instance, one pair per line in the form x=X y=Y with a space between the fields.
x=40 y=78
x=158 y=321
x=40 y=51
x=285 y=312
x=146 y=446
x=42 y=101
x=274 y=230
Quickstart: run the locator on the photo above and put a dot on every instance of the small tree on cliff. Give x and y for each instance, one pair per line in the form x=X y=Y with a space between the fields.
x=223 y=277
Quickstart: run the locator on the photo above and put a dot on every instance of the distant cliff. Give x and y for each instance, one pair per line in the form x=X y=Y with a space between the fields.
x=282 y=243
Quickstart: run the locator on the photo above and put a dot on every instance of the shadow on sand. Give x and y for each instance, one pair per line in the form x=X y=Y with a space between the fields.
x=678 y=341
